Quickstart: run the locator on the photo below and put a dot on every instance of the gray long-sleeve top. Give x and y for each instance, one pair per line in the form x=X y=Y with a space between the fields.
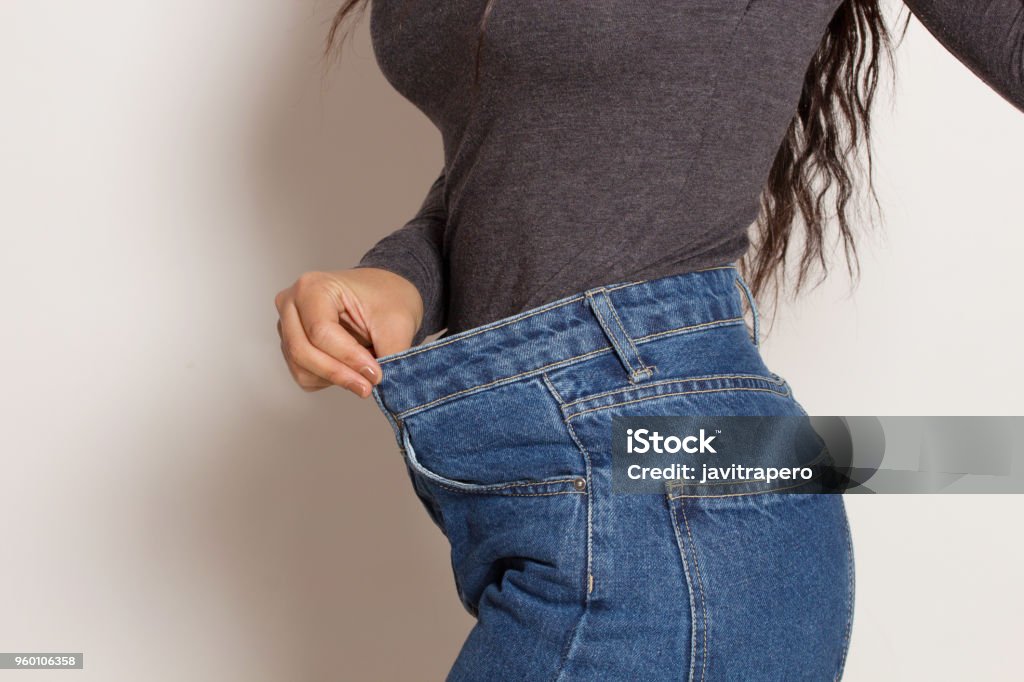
x=611 y=140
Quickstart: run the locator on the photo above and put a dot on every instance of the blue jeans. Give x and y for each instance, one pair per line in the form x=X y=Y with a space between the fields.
x=505 y=430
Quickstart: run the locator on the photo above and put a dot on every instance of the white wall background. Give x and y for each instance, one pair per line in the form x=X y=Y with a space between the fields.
x=171 y=506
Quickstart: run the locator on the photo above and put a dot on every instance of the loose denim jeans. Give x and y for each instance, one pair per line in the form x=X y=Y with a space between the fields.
x=505 y=430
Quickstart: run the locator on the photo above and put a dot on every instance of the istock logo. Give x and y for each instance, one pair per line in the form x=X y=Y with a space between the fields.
x=642 y=441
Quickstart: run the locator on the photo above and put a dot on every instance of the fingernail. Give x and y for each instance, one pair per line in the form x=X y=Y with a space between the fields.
x=364 y=390
x=370 y=374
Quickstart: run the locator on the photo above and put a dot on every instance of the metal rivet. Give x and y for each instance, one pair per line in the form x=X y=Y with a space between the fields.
x=580 y=484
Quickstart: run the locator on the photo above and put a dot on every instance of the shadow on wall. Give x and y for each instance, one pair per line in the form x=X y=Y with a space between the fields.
x=305 y=517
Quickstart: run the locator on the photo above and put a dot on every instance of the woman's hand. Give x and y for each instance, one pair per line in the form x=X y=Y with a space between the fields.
x=330 y=320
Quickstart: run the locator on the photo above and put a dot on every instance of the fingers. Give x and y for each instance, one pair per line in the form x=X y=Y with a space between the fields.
x=311 y=367
x=393 y=335
x=306 y=380
x=333 y=326
x=320 y=318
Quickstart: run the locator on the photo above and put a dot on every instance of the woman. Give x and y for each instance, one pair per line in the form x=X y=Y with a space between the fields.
x=603 y=162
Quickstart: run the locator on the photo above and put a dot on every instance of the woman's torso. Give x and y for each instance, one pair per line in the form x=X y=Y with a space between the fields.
x=608 y=140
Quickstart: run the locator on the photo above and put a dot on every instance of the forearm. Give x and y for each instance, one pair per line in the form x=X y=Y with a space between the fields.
x=987 y=37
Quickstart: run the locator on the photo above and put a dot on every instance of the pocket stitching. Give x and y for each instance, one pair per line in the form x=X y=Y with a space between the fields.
x=850 y=598
x=677 y=380
x=486 y=488
x=786 y=394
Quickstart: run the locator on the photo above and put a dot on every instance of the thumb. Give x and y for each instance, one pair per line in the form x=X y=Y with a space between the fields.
x=392 y=334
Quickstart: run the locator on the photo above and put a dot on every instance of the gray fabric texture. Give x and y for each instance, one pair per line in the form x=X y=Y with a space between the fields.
x=611 y=140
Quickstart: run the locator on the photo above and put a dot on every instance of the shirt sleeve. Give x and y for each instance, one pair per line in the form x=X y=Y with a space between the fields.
x=415 y=252
x=987 y=36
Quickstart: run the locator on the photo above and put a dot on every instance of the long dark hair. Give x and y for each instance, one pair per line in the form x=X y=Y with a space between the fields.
x=826 y=150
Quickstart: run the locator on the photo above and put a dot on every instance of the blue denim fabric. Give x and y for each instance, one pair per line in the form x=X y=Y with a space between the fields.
x=505 y=430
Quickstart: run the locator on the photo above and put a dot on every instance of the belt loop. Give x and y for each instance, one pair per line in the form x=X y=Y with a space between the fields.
x=753 y=308
x=601 y=304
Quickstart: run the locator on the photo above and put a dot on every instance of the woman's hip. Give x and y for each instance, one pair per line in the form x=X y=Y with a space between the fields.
x=505 y=430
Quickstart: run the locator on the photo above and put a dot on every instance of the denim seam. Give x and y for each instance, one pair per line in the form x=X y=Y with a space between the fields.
x=392 y=419
x=483 y=329
x=850 y=599
x=492 y=491
x=700 y=586
x=587 y=469
x=589 y=585
x=561 y=492
x=480 y=488
x=689 y=586
x=527 y=484
x=559 y=363
x=589 y=578
x=689 y=328
x=504 y=380
x=665 y=382
x=725 y=483
x=590 y=506
x=554 y=391
x=665 y=395
x=743 y=494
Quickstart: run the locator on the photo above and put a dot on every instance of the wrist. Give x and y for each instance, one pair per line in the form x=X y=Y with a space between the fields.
x=395 y=290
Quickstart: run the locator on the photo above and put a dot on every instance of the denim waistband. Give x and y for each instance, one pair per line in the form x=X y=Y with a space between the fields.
x=610 y=318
